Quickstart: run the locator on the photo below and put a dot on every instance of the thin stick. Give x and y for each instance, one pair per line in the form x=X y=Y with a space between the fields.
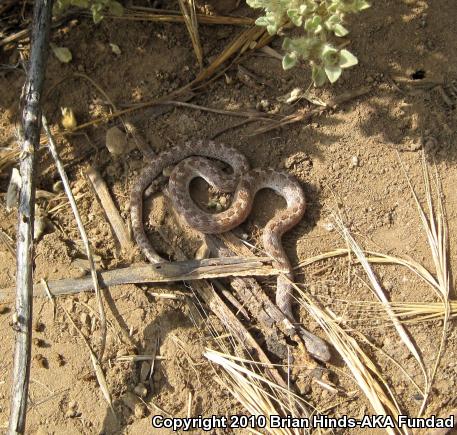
x=51 y=298
x=254 y=115
x=24 y=34
x=82 y=232
x=31 y=95
x=110 y=210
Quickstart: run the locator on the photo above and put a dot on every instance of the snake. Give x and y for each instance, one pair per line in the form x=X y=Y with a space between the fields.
x=191 y=160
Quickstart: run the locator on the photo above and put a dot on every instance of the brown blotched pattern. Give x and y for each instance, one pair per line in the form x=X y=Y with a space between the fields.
x=246 y=183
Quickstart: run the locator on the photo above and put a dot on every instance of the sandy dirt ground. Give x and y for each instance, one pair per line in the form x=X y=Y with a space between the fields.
x=346 y=159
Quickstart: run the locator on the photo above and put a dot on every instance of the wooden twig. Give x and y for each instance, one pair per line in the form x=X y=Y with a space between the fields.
x=111 y=212
x=254 y=114
x=163 y=272
x=218 y=306
x=82 y=232
x=31 y=115
x=24 y=34
x=306 y=115
x=265 y=311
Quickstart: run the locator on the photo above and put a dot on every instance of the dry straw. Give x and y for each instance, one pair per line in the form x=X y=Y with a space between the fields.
x=247 y=382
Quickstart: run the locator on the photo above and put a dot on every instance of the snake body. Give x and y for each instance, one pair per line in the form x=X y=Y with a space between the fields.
x=245 y=182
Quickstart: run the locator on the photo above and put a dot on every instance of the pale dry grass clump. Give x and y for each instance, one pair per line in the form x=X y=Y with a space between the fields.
x=249 y=383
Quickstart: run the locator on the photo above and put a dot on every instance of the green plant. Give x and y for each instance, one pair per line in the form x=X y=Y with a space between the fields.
x=321 y=20
x=97 y=7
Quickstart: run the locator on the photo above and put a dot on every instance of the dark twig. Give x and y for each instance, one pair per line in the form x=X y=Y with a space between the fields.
x=31 y=124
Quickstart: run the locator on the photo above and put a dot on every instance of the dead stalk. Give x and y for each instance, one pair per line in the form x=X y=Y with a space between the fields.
x=31 y=96
x=74 y=207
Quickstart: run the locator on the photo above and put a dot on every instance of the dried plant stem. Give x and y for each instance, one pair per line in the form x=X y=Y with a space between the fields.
x=110 y=210
x=190 y=19
x=189 y=270
x=71 y=199
x=24 y=282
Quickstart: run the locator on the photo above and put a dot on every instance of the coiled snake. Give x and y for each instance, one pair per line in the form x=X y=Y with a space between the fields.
x=191 y=161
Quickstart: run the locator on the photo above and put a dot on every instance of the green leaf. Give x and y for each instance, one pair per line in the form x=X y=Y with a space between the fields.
x=340 y=30
x=363 y=5
x=255 y=4
x=62 y=53
x=318 y=75
x=115 y=49
x=347 y=59
x=116 y=8
x=330 y=55
x=289 y=61
x=333 y=72
x=295 y=17
x=262 y=21
x=287 y=44
x=313 y=24
x=97 y=15
x=272 y=29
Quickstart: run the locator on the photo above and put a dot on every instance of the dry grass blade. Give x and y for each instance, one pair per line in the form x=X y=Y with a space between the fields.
x=259 y=395
x=377 y=258
x=71 y=199
x=437 y=236
x=378 y=291
x=366 y=374
x=254 y=37
x=190 y=18
x=138 y=13
x=8 y=242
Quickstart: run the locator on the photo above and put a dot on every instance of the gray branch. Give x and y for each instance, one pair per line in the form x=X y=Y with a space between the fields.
x=31 y=125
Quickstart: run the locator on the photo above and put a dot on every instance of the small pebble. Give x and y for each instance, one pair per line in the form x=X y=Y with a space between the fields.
x=141 y=391
x=354 y=161
x=223 y=201
x=116 y=141
x=39 y=226
x=328 y=226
